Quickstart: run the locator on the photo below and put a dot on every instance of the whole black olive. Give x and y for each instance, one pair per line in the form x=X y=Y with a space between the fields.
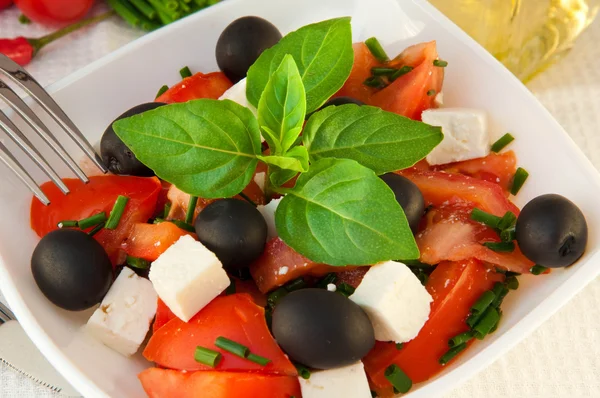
x=408 y=196
x=242 y=42
x=234 y=230
x=72 y=269
x=116 y=155
x=322 y=329
x=551 y=231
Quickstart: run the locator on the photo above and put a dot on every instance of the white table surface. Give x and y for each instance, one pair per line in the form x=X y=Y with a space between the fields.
x=560 y=359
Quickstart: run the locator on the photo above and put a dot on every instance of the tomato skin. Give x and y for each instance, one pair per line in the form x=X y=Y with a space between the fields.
x=361 y=71
x=165 y=383
x=455 y=287
x=149 y=241
x=163 y=316
x=235 y=317
x=54 y=12
x=99 y=195
x=200 y=85
x=5 y=4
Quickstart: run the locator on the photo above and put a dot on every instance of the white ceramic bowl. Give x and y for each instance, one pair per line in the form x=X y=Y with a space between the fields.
x=98 y=93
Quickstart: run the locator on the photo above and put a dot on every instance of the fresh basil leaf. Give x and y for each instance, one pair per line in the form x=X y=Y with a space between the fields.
x=278 y=176
x=324 y=56
x=205 y=147
x=282 y=106
x=296 y=159
x=341 y=213
x=380 y=140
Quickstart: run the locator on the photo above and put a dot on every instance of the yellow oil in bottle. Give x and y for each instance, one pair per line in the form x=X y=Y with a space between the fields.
x=526 y=35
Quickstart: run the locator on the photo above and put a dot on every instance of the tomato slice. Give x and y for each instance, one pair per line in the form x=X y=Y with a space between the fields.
x=165 y=383
x=352 y=277
x=200 y=85
x=235 y=317
x=280 y=264
x=149 y=241
x=163 y=316
x=455 y=287
x=250 y=288
x=364 y=61
x=99 y=195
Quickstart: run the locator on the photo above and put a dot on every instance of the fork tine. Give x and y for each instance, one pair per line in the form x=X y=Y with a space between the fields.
x=19 y=138
x=16 y=167
x=29 y=84
x=15 y=102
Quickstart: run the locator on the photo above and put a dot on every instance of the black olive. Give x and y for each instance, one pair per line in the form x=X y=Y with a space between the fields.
x=116 y=155
x=72 y=269
x=234 y=230
x=242 y=42
x=322 y=329
x=552 y=231
x=342 y=101
x=408 y=196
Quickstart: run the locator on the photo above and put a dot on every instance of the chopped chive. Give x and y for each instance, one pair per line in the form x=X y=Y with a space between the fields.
x=117 y=212
x=231 y=288
x=508 y=235
x=327 y=279
x=487 y=322
x=233 y=347
x=483 y=302
x=96 y=229
x=500 y=247
x=258 y=359
x=144 y=8
x=460 y=339
x=374 y=81
x=518 y=180
x=183 y=225
x=398 y=378
x=302 y=371
x=345 y=289
x=189 y=214
x=92 y=221
x=431 y=93
x=401 y=72
x=296 y=284
x=67 y=224
x=502 y=142
x=373 y=394
x=399 y=346
x=276 y=295
x=23 y=19
x=185 y=72
x=376 y=49
x=512 y=283
x=497 y=323
x=383 y=71
x=538 y=269
x=512 y=273
x=207 y=356
x=136 y=262
x=500 y=296
x=451 y=353
x=167 y=210
x=161 y=91
x=473 y=319
x=507 y=221
x=488 y=219
x=440 y=63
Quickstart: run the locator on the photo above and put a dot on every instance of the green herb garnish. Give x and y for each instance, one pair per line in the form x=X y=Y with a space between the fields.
x=502 y=142
x=117 y=212
x=207 y=357
x=376 y=49
x=440 y=63
x=538 y=269
x=161 y=91
x=518 y=180
x=451 y=353
x=136 y=262
x=398 y=379
x=232 y=346
x=185 y=72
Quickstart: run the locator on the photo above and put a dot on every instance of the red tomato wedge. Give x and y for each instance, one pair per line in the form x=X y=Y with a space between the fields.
x=250 y=288
x=364 y=61
x=268 y=271
x=149 y=241
x=165 y=383
x=200 y=85
x=163 y=316
x=455 y=287
x=235 y=317
x=496 y=168
x=97 y=196
x=352 y=277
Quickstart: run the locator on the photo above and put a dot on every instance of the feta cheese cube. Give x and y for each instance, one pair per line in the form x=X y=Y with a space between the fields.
x=124 y=317
x=347 y=382
x=260 y=180
x=395 y=301
x=465 y=131
x=268 y=212
x=237 y=93
x=187 y=277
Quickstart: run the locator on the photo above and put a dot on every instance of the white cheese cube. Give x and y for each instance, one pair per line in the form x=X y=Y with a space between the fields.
x=237 y=93
x=395 y=301
x=124 y=317
x=347 y=382
x=260 y=180
x=465 y=131
x=268 y=212
x=187 y=277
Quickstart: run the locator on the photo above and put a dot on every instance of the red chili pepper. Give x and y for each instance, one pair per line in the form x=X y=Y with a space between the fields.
x=22 y=50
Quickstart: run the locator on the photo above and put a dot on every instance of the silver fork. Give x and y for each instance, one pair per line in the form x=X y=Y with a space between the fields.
x=19 y=76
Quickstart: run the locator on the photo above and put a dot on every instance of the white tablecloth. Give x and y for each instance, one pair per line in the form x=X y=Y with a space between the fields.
x=562 y=358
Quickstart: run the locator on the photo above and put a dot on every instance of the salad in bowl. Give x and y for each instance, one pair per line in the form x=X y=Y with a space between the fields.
x=308 y=221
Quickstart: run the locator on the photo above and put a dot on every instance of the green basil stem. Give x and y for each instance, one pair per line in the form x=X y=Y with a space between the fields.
x=452 y=353
x=67 y=224
x=117 y=212
x=377 y=49
x=136 y=262
x=500 y=247
x=538 y=269
x=302 y=371
x=92 y=221
x=488 y=219
x=489 y=319
x=258 y=359
x=247 y=199
x=400 y=72
x=96 y=229
x=484 y=302
x=518 y=180
x=232 y=347
x=189 y=214
x=461 y=339
x=502 y=142
x=161 y=91
x=398 y=379
x=207 y=356
x=144 y=8
x=185 y=72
